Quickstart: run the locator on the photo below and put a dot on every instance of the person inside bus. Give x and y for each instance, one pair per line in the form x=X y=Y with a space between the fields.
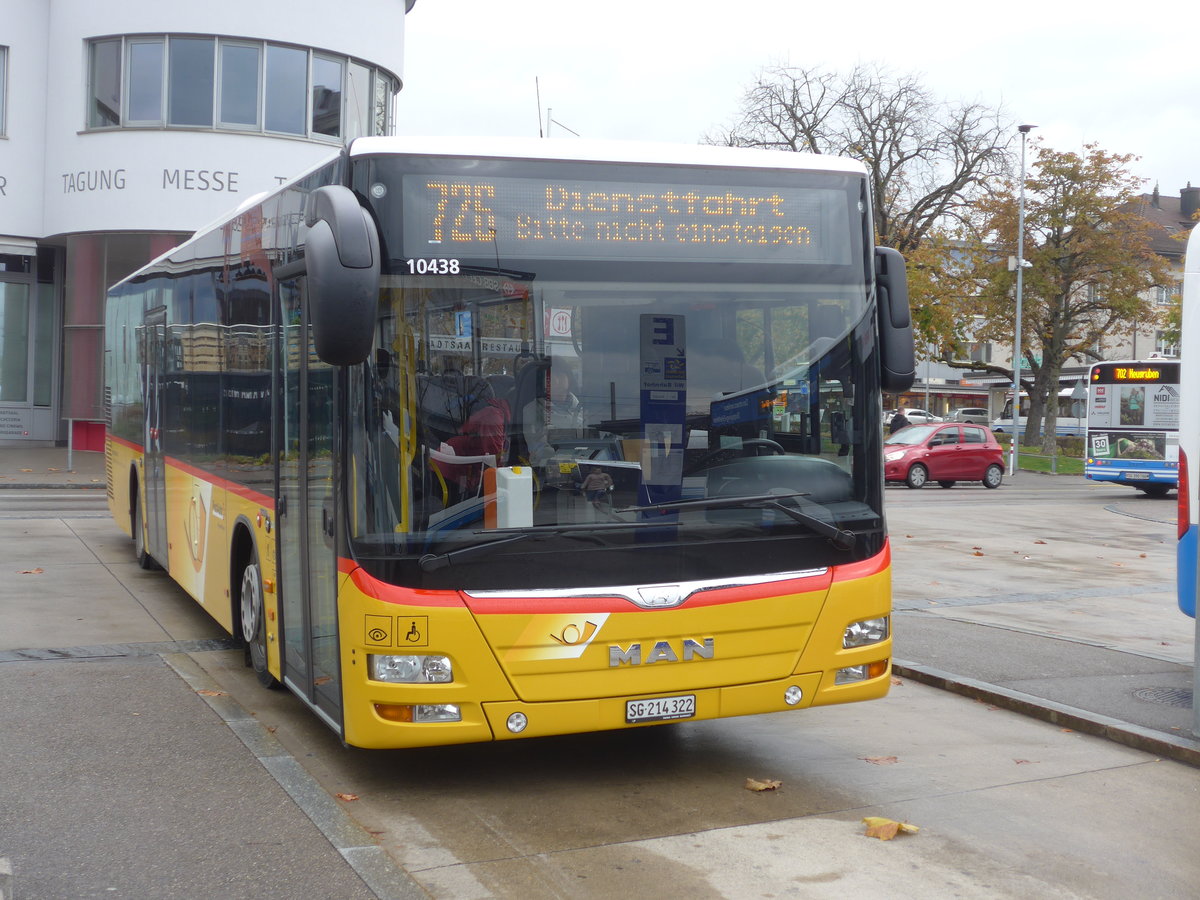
x=484 y=433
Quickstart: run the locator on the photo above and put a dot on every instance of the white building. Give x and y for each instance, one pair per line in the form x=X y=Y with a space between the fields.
x=126 y=126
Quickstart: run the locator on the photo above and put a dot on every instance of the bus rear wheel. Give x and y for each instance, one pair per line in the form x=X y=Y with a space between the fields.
x=1155 y=490
x=254 y=621
x=144 y=559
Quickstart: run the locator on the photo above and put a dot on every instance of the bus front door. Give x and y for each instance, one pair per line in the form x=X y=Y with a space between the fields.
x=155 y=383
x=307 y=560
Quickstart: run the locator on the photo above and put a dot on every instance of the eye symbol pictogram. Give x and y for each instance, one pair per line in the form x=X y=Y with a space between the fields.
x=378 y=635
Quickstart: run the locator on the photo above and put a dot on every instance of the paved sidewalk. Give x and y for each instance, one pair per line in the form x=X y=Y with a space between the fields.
x=51 y=467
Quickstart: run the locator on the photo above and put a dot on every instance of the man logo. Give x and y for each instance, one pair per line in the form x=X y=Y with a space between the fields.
x=661 y=652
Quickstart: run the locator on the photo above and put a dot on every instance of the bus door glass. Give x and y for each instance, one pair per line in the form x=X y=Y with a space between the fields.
x=307 y=560
x=154 y=384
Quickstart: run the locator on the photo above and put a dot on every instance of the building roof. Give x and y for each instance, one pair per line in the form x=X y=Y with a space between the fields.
x=1171 y=215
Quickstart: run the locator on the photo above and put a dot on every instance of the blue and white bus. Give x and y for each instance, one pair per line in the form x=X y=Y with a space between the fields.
x=1189 y=428
x=1133 y=424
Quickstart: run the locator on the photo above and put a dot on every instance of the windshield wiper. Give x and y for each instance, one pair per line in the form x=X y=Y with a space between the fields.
x=431 y=562
x=839 y=537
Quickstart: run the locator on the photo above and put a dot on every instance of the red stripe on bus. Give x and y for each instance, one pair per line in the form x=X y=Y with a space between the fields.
x=137 y=448
x=223 y=483
x=880 y=562
x=392 y=593
x=516 y=605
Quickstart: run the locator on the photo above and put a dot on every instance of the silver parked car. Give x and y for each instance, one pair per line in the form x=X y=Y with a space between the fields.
x=918 y=416
x=974 y=414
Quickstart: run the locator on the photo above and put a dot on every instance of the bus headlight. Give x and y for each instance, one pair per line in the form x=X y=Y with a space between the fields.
x=864 y=632
x=410 y=669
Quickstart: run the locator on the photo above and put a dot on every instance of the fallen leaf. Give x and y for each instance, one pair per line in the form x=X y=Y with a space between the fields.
x=1141 y=556
x=1119 y=565
x=896 y=680
x=27 y=470
x=978 y=553
x=1039 y=542
x=754 y=784
x=1023 y=762
x=324 y=679
x=880 y=760
x=976 y=548
x=52 y=470
x=208 y=693
x=37 y=571
x=886 y=829
x=346 y=797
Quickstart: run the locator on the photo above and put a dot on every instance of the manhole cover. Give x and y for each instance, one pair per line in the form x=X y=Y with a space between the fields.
x=1167 y=696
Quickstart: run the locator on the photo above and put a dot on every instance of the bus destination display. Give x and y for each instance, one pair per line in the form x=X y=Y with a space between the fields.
x=534 y=218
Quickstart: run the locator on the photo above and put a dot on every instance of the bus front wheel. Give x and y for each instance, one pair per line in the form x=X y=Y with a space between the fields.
x=253 y=619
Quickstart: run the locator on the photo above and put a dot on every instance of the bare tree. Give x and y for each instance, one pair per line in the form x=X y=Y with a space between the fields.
x=928 y=159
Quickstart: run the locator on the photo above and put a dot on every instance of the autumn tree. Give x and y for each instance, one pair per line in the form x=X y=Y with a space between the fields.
x=1090 y=267
x=928 y=160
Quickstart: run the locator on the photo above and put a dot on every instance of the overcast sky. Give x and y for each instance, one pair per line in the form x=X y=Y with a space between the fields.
x=673 y=70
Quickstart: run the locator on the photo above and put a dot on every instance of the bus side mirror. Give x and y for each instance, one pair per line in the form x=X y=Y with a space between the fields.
x=897 y=359
x=341 y=257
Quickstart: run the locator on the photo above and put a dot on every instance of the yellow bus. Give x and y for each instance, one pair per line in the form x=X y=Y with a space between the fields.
x=476 y=440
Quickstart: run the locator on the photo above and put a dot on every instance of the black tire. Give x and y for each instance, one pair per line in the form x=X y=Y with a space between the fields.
x=1155 y=490
x=947 y=484
x=144 y=559
x=917 y=476
x=993 y=476
x=253 y=620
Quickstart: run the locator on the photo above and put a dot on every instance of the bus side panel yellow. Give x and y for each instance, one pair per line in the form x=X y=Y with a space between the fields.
x=119 y=460
x=197 y=543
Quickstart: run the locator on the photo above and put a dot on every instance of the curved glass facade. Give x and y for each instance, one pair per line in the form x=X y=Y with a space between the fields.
x=236 y=85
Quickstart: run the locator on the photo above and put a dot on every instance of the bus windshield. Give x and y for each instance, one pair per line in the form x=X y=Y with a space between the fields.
x=588 y=374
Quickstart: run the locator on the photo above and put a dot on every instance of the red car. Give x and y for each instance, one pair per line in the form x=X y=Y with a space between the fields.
x=943 y=453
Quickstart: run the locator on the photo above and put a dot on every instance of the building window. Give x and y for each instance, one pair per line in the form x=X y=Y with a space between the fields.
x=327 y=96
x=287 y=75
x=1163 y=347
x=104 y=77
x=143 y=105
x=190 y=82
x=3 y=89
x=241 y=85
x=157 y=81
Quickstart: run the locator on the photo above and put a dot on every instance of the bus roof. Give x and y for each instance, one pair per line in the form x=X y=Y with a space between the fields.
x=578 y=150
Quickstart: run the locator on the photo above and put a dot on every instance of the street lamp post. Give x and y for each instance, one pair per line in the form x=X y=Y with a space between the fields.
x=1016 y=389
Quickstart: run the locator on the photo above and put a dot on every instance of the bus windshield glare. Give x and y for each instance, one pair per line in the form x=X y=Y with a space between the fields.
x=573 y=358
